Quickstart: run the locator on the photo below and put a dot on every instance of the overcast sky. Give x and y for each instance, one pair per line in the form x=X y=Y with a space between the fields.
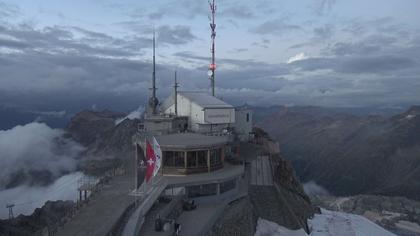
x=69 y=55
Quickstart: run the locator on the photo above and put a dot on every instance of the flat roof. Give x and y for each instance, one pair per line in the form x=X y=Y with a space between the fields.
x=190 y=140
x=202 y=99
x=205 y=100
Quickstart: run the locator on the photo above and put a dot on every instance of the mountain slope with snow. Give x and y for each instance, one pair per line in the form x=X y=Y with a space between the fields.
x=326 y=224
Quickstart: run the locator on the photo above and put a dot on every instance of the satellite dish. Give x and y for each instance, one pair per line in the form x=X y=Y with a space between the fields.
x=209 y=73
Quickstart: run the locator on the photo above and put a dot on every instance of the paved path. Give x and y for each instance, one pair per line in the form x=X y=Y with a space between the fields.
x=196 y=221
x=103 y=210
x=134 y=223
x=261 y=174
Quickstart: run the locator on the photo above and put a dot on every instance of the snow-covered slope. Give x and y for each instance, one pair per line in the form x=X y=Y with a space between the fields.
x=344 y=224
x=326 y=224
x=268 y=228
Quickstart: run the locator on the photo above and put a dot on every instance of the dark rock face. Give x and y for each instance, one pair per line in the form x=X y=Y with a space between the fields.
x=86 y=126
x=295 y=198
x=49 y=214
x=350 y=154
x=108 y=145
x=285 y=203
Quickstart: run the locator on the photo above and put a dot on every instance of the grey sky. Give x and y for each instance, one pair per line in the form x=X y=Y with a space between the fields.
x=68 y=55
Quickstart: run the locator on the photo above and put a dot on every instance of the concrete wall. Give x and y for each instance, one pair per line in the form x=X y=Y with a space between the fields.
x=243 y=126
x=165 y=125
x=160 y=127
x=200 y=119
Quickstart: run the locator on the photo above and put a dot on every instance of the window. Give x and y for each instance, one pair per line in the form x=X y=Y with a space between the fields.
x=191 y=159
x=168 y=158
x=202 y=158
x=173 y=159
x=179 y=159
x=247 y=117
x=202 y=190
x=215 y=156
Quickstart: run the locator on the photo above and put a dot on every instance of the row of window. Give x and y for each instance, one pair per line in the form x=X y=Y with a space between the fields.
x=194 y=158
x=210 y=189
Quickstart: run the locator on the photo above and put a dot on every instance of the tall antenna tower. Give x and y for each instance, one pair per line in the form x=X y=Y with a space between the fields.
x=176 y=85
x=212 y=66
x=153 y=101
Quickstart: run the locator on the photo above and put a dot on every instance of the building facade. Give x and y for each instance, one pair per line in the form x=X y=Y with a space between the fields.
x=206 y=113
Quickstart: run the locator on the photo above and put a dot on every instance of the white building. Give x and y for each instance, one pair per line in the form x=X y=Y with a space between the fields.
x=243 y=124
x=206 y=113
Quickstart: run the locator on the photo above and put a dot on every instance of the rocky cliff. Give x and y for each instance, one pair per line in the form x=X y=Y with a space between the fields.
x=351 y=154
x=284 y=203
x=48 y=215
x=108 y=142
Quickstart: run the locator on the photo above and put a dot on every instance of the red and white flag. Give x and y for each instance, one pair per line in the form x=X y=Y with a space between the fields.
x=158 y=156
x=150 y=161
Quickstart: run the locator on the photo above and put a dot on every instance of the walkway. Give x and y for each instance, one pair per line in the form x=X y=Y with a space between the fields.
x=200 y=220
x=261 y=174
x=135 y=223
x=102 y=211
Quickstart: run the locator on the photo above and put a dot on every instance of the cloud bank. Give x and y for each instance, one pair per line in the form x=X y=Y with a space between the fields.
x=27 y=198
x=313 y=189
x=35 y=154
x=370 y=60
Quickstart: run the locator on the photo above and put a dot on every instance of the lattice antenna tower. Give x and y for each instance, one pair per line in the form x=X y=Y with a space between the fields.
x=212 y=66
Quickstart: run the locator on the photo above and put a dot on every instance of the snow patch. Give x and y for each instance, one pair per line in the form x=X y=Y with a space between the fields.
x=268 y=228
x=326 y=224
x=410 y=116
x=344 y=224
x=136 y=114
x=410 y=226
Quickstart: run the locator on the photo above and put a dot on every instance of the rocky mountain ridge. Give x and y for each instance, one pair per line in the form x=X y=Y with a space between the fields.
x=351 y=154
x=108 y=143
x=49 y=214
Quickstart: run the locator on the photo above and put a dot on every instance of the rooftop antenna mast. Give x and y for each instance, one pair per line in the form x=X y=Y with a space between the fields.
x=153 y=101
x=176 y=85
x=212 y=66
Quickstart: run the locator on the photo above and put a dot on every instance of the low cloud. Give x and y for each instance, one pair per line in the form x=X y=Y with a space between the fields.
x=356 y=64
x=313 y=189
x=278 y=26
x=322 y=7
x=297 y=57
x=28 y=198
x=175 y=35
x=35 y=154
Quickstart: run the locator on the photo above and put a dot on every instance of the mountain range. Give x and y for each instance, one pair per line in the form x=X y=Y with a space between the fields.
x=350 y=154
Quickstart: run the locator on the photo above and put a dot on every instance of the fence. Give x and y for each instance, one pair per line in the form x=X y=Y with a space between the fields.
x=95 y=185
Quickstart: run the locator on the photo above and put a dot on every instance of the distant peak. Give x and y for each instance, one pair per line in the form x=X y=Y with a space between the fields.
x=414 y=110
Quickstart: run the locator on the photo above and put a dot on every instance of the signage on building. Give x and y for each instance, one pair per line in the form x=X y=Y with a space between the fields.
x=219 y=116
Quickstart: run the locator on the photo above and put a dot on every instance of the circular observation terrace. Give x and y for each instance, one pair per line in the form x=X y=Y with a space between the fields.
x=188 y=153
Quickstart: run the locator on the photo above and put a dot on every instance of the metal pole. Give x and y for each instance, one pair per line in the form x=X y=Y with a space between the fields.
x=176 y=95
x=213 y=36
x=154 y=67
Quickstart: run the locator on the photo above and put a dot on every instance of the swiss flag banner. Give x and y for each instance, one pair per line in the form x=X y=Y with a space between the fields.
x=158 y=156
x=150 y=161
